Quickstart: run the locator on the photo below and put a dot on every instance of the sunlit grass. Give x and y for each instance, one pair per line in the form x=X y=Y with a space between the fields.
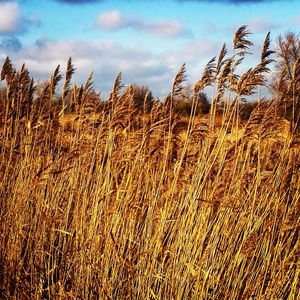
x=113 y=203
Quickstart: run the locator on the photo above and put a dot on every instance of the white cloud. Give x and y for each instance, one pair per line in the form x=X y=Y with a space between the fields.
x=164 y=28
x=10 y=17
x=114 y=20
x=12 y=20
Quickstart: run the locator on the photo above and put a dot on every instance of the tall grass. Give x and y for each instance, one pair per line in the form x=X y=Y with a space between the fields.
x=100 y=201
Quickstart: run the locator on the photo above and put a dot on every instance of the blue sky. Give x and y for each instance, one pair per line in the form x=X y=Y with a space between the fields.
x=148 y=40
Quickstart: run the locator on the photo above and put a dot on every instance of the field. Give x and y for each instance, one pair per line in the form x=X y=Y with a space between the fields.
x=129 y=198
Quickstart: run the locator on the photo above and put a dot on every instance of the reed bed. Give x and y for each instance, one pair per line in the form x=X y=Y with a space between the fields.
x=110 y=200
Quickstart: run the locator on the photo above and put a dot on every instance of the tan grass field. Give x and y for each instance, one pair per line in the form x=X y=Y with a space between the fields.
x=113 y=203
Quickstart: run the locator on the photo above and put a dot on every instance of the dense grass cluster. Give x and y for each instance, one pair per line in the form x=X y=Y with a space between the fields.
x=129 y=199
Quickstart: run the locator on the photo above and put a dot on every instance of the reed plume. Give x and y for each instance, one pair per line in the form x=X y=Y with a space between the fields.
x=266 y=52
x=66 y=88
x=55 y=78
x=255 y=77
x=178 y=81
x=224 y=78
x=117 y=87
x=240 y=41
x=208 y=76
x=221 y=60
x=7 y=69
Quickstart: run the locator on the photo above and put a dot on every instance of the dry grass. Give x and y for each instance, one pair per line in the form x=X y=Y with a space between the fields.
x=113 y=204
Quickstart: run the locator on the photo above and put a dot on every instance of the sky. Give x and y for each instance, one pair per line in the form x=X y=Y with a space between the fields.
x=147 y=40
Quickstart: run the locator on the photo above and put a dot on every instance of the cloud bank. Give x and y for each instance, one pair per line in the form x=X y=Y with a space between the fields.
x=107 y=58
x=115 y=20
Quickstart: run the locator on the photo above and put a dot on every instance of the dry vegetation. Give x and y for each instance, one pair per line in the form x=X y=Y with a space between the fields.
x=129 y=199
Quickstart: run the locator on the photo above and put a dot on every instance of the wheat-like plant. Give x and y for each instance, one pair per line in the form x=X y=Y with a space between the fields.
x=128 y=198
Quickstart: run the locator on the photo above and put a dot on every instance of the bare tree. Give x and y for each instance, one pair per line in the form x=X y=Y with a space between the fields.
x=286 y=82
